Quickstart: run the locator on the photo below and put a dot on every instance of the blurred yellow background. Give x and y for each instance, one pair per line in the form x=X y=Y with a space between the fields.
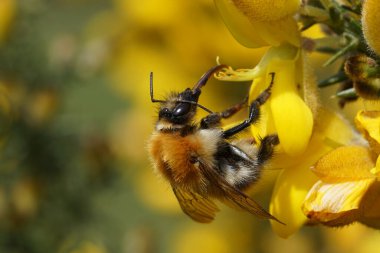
x=75 y=115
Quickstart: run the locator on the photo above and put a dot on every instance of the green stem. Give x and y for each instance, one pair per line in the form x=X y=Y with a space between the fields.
x=352 y=45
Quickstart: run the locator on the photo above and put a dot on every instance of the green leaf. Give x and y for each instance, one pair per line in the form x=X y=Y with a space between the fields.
x=349 y=93
x=337 y=78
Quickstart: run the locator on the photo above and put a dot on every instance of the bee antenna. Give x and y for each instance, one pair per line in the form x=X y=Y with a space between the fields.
x=204 y=108
x=151 y=91
x=207 y=75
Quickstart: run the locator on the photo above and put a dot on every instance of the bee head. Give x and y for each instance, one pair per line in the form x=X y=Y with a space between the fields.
x=180 y=108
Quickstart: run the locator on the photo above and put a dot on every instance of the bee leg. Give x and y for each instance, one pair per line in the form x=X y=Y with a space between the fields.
x=254 y=111
x=213 y=119
x=266 y=148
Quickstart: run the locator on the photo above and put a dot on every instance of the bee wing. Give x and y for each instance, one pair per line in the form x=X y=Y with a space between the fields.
x=198 y=207
x=235 y=198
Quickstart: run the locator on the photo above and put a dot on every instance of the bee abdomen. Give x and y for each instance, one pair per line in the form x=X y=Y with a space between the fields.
x=237 y=167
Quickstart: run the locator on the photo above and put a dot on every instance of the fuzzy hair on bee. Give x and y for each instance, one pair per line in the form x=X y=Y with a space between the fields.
x=203 y=162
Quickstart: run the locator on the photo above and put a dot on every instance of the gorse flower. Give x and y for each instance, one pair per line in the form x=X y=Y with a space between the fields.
x=290 y=113
x=295 y=126
x=262 y=23
x=294 y=182
x=348 y=186
x=289 y=110
x=306 y=130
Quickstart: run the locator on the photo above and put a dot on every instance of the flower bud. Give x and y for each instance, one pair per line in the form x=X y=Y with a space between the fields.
x=371 y=24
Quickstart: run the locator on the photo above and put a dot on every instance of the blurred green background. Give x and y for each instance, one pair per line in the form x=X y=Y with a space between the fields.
x=75 y=117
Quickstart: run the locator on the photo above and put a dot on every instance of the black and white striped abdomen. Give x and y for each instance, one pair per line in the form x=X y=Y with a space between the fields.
x=238 y=163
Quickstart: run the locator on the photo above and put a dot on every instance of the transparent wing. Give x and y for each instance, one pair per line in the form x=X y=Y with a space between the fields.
x=234 y=197
x=198 y=207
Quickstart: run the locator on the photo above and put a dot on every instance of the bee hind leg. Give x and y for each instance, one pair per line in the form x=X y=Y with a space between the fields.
x=266 y=148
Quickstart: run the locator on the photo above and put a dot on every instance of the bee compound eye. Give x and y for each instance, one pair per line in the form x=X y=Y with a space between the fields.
x=181 y=109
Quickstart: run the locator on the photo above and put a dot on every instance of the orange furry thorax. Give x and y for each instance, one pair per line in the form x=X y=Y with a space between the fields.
x=177 y=157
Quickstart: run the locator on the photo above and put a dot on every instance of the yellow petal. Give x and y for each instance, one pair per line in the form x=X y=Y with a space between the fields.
x=370 y=206
x=334 y=129
x=269 y=24
x=368 y=123
x=376 y=169
x=292 y=118
x=335 y=204
x=278 y=32
x=345 y=164
x=330 y=132
x=288 y=195
x=295 y=181
x=371 y=23
x=267 y=10
x=238 y=24
x=282 y=52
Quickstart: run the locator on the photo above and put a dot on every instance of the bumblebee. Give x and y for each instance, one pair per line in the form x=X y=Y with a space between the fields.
x=202 y=161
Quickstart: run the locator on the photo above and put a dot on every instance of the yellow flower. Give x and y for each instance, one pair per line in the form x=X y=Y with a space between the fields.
x=348 y=186
x=257 y=23
x=294 y=182
x=286 y=113
x=292 y=107
x=368 y=122
x=371 y=23
x=289 y=111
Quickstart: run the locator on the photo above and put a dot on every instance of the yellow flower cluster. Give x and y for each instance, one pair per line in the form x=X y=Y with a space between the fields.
x=348 y=186
x=326 y=177
x=283 y=61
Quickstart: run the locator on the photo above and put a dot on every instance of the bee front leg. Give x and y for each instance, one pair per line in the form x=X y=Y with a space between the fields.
x=254 y=111
x=213 y=119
